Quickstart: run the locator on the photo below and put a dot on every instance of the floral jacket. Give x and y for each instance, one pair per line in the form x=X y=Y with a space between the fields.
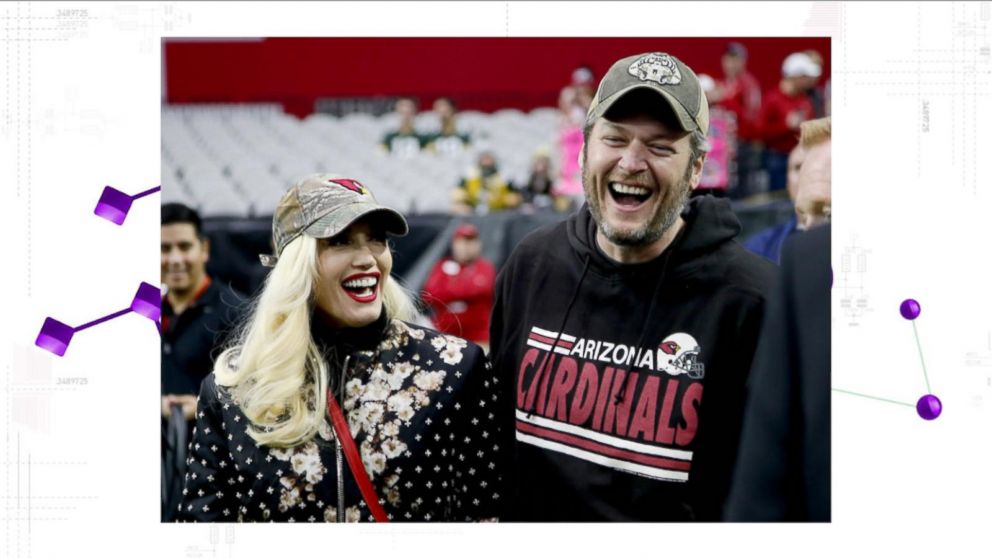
x=421 y=407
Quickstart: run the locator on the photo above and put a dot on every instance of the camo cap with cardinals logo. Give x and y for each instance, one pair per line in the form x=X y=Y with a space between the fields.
x=662 y=73
x=322 y=206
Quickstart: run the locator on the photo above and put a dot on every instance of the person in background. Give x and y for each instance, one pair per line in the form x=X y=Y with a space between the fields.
x=783 y=473
x=484 y=189
x=784 y=108
x=768 y=242
x=460 y=288
x=739 y=92
x=538 y=193
x=404 y=141
x=813 y=198
x=818 y=95
x=447 y=140
x=573 y=103
x=197 y=312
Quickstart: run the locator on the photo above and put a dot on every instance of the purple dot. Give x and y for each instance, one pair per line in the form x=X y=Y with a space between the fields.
x=909 y=309
x=929 y=407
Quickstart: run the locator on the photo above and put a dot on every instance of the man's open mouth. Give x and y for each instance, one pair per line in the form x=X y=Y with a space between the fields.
x=626 y=195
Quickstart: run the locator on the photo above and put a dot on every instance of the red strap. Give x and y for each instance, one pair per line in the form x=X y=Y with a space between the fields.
x=354 y=460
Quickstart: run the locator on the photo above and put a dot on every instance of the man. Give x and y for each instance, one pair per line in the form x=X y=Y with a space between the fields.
x=784 y=108
x=623 y=336
x=739 y=91
x=768 y=242
x=784 y=469
x=196 y=311
x=404 y=141
x=484 y=189
x=448 y=140
x=460 y=288
x=813 y=197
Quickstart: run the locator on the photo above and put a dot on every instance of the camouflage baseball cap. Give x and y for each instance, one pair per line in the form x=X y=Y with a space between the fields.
x=675 y=82
x=323 y=205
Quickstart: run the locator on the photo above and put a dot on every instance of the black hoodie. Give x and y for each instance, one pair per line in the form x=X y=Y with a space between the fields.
x=626 y=381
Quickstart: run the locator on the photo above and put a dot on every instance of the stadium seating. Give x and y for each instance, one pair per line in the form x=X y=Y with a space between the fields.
x=236 y=160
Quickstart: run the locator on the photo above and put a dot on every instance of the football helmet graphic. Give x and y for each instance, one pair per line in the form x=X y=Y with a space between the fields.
x=680 y=355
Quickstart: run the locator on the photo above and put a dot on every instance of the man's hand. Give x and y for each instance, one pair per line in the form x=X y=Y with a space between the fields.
x=187 y=402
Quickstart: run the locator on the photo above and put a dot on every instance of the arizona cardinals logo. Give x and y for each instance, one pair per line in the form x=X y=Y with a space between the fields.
x=350 y=184
x=670 y=347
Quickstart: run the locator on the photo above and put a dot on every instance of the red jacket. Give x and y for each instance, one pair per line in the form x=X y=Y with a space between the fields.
x=742 y=96
x=462 y=301
x=774 y=114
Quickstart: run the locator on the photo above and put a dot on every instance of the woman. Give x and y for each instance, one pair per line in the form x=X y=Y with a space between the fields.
x=327 y=331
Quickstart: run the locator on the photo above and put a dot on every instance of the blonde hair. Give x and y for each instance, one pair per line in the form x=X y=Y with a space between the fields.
x=813 y=132
x=273 y=368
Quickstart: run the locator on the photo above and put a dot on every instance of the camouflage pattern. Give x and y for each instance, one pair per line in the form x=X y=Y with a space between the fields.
x=322 y=206
x=659 y=72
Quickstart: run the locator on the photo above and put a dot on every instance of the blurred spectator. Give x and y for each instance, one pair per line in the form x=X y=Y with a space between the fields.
x=785 y=107
x=405 y=141
x=196 y=313
x=484 y=189
x=740 y=93
x=818 y=95
x=460 y=288
x=537 y=193
x=768 y=242
x=783 y=468
x=574 y=98
x=813 y=198
x=721 y=137
x=447 y=140
x=573 y=102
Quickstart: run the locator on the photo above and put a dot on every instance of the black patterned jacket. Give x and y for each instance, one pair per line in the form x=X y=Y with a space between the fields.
x=421 y=409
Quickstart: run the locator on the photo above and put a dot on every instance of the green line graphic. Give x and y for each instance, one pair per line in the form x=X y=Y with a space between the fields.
x=873 y=397
x=920 y=349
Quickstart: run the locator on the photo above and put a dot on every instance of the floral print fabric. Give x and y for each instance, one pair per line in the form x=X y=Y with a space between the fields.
x=422 y=411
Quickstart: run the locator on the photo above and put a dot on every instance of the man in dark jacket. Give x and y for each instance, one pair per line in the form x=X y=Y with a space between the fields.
x=784 y=469
x=624 y=335
x=196 y=311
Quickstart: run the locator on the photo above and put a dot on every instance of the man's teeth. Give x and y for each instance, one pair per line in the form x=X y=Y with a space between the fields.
x=629 y=190
x=364 y=282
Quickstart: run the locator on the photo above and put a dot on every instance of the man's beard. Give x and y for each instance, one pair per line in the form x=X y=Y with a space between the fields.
x=666 y=213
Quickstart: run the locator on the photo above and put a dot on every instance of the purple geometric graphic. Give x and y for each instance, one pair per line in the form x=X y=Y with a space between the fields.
x=114 y=204
x=910 y=309
x=929 y=407
x=148 y=302
x=54 y=336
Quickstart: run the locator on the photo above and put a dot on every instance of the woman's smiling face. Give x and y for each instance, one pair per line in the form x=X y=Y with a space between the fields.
x=352 y=267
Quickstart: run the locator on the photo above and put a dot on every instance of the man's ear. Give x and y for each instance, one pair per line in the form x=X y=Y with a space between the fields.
x=206 y=249
x=697 y=171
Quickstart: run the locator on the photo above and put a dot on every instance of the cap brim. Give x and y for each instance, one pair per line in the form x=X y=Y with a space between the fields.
x=685 y=120
x=336 y=221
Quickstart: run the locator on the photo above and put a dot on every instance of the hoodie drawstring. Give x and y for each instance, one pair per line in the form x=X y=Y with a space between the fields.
x=568 y=311
x=644 y=328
